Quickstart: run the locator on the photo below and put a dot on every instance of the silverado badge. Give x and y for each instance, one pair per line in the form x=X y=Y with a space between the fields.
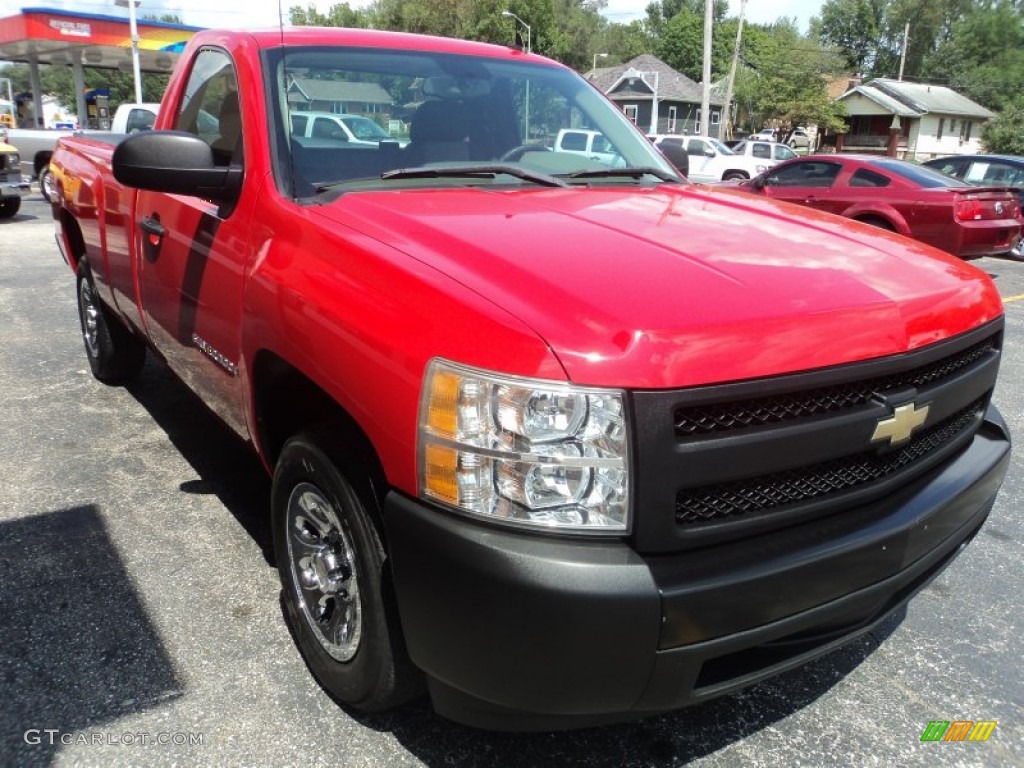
x=898 y=427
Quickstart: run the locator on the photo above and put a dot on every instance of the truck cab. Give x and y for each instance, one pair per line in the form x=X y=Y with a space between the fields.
x=591 y=144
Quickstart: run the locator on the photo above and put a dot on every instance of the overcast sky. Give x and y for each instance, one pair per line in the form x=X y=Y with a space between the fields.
x=261 y=13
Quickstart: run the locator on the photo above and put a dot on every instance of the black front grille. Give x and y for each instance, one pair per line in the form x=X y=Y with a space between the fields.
x=812 y=483
x=693 y=421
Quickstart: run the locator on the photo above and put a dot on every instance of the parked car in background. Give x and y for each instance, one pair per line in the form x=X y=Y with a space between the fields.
x=354 y=129
x=769 y=152
x=987 y=170
x=799 y=138
x=673 y=147
x=132 y=117
x=904 y=197
x=711 y=160
x=592 y=144
x=765 y=134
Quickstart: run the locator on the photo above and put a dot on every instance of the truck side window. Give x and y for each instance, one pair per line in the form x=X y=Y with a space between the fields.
x=210 y=109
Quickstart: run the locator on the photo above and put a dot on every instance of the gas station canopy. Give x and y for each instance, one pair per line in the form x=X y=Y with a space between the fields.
x=52 y=36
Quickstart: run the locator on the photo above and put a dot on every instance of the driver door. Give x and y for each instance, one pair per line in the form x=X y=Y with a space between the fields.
x=192 y=253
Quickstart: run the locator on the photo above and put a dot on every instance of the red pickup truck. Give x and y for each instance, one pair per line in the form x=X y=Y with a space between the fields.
x=563 y=439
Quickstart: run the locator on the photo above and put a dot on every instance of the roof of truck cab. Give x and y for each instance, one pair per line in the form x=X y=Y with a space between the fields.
x=272 y=37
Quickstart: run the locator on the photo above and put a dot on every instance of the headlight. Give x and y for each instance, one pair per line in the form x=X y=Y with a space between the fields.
x=523 y=451
x=13 y=161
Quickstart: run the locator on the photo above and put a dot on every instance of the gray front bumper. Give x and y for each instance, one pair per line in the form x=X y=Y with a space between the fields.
x=14 y=188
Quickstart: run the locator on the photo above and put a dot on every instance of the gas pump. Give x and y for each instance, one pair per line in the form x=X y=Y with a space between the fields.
x=97 y=109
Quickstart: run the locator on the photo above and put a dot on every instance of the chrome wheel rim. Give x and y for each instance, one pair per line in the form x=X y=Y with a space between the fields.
x=323 y=568
x=47 y=186
x=90 y=318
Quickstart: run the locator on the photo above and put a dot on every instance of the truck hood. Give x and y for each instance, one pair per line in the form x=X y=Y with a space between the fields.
x=679 y=286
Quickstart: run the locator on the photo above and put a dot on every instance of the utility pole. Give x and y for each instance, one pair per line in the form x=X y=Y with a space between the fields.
x=727 y=109
x=903 y=55
x=705 y=99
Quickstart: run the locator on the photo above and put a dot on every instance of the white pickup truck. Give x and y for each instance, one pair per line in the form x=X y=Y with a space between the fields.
x=711 y=160
x=36 y=145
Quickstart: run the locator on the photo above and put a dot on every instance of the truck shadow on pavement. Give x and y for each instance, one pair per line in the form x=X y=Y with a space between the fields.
x=671 y=739
x=226 y=467
x=77 y=650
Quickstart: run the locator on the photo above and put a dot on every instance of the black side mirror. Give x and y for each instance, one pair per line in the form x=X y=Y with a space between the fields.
x=177 y=163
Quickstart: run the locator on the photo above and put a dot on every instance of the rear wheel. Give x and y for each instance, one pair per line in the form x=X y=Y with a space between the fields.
x=115 y=355
x=47 y=185
x=734 y=176
x=332 y=566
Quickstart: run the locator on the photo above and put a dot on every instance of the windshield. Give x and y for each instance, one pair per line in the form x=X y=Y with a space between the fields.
x=365 y=128
x=409 y=109
x=721 y=147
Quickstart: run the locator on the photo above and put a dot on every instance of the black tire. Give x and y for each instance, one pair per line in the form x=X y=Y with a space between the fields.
x=47 y=185
x=115 y=355
x=734 y=176
x=9 y=206
x=337 y=596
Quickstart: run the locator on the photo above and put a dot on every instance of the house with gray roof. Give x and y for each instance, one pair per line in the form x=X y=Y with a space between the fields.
x=932 y=120
x=339 y=96
x=656 y=97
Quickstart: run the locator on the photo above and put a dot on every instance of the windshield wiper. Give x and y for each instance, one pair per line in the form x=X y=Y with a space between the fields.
x=482 y=171
x=632 y=173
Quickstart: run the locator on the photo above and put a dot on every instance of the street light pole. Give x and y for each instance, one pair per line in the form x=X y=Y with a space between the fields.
x=134 y=29
x=526 y=117
x=510 y=15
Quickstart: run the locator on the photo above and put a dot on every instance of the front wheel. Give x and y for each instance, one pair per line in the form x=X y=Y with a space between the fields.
x=332 y=567
x=9 y=206
x=734 y=176
x=115 y=355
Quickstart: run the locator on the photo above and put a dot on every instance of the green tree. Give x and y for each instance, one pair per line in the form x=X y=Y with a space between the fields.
x=339 y=15
x=984 y=55
x=1004 y=134
x=785 y=77
x=853 y=27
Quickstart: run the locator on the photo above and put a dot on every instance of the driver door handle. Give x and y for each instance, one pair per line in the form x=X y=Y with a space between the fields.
x=153 y=227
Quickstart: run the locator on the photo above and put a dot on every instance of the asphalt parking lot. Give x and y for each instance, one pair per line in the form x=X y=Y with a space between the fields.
x=142 y=624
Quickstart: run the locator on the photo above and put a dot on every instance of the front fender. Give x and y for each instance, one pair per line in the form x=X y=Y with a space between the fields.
x=876 y=210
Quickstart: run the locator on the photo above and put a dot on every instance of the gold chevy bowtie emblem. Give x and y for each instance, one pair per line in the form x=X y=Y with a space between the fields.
x=898 y=428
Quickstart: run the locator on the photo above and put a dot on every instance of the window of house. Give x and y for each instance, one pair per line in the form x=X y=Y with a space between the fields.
x=966 y=132
x=715 y=117
x=631 y=111
x=671 y=119
x=942 y=123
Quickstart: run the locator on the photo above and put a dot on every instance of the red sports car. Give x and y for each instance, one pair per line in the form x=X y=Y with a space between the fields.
x=919 y=202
